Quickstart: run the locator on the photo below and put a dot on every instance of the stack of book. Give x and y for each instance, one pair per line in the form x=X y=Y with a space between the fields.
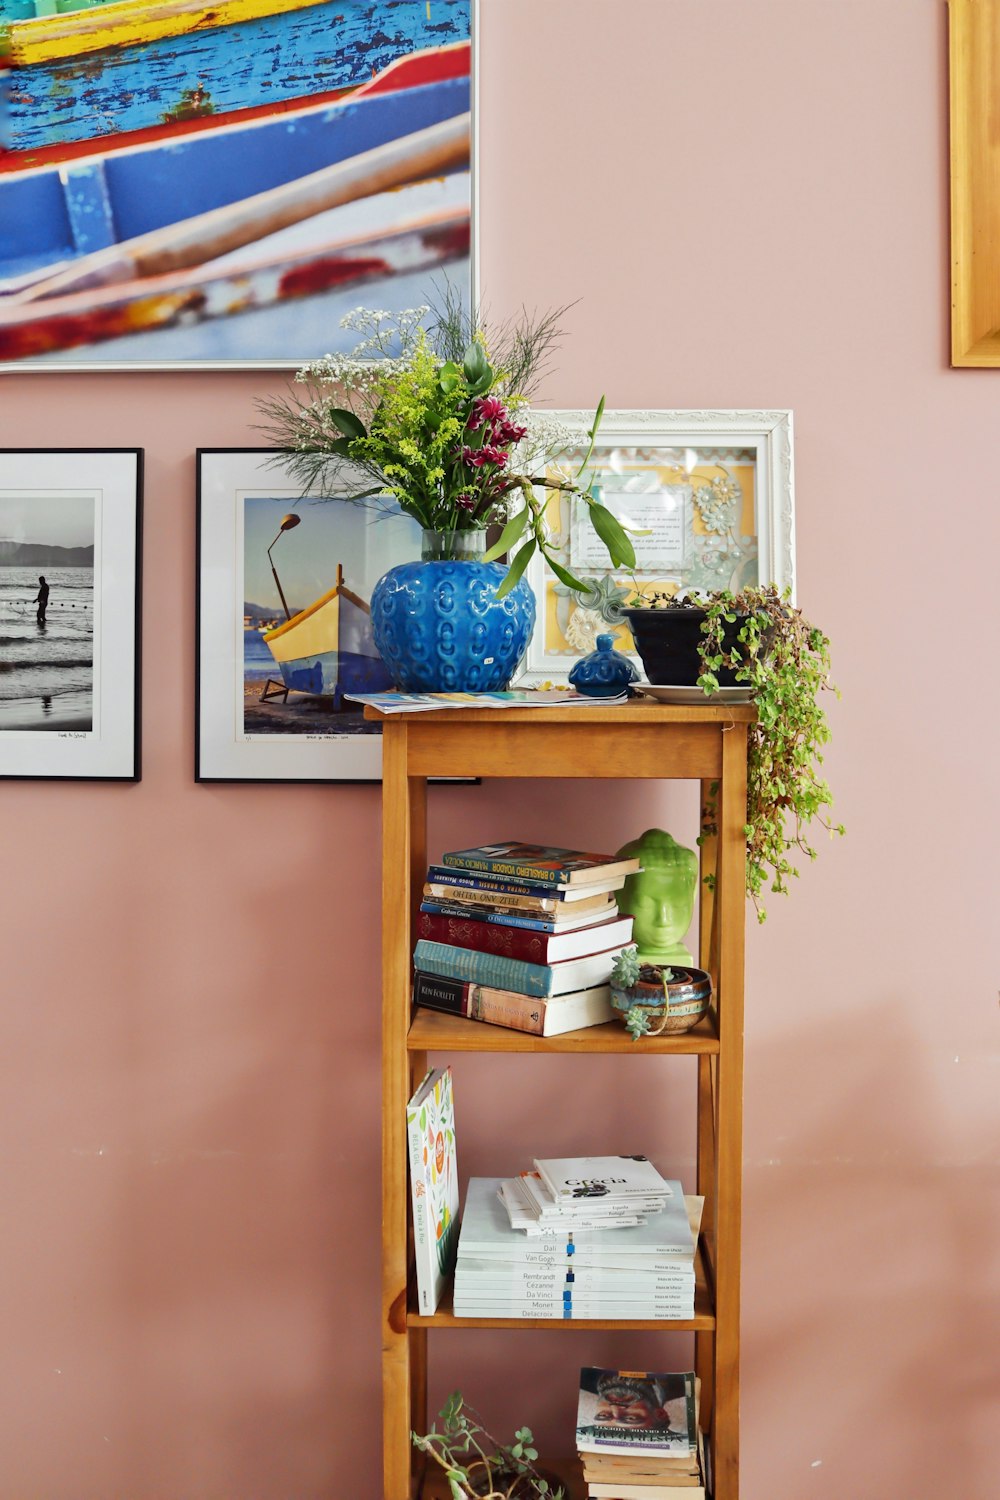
x=521 y=935
x=590 y=1268
x=584 y=1192
x=637 y=1435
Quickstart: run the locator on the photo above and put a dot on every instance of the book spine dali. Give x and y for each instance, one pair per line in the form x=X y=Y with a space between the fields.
x=458 y=997
x=483 y=968
x=510 y=942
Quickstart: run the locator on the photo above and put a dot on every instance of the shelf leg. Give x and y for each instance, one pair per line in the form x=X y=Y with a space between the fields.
x=730 y=902
x=404 y=813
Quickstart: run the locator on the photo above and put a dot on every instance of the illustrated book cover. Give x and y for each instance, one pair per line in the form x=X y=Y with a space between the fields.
x=601 y=1177
x=430 y=1135
x=636 y=1411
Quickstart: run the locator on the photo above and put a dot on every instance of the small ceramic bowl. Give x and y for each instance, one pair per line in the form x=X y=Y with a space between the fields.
x=686 y=1000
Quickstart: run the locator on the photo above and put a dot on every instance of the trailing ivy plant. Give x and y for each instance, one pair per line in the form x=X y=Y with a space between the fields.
x=476 y=1466
x=785 y=661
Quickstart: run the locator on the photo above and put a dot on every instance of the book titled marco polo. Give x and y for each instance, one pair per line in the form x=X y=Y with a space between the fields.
x=540 y=863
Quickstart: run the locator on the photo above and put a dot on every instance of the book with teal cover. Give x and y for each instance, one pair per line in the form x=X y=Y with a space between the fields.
x=498 y=972
x=542 y=864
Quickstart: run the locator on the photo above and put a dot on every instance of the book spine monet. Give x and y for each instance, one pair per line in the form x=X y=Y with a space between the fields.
x=457 y=997
x=483 y=968
x=484 y=937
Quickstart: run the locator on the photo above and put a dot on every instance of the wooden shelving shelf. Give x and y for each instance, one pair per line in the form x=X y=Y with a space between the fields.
x=641 y=740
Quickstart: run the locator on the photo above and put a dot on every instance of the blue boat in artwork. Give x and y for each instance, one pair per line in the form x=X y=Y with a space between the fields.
x=56 y=214
x=98 y=73
x=327 y=649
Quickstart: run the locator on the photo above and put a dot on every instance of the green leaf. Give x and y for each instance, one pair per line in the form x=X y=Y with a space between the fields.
x=475 y=365
x=347 y=423
x=512 y=532
x=613 y=535
x=449 y=377
x=564 y=576
x=519 y=563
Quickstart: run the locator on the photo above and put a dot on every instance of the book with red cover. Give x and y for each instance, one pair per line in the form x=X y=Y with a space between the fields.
x=518 y=942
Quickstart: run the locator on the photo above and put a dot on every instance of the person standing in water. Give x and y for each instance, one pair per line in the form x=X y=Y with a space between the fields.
x=42 y=599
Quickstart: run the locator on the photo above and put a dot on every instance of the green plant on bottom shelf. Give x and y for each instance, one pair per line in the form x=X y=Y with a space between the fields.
x=476 y=1466
x=785 y=661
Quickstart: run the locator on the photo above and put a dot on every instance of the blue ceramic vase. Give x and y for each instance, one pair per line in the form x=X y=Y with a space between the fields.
x=438 y=624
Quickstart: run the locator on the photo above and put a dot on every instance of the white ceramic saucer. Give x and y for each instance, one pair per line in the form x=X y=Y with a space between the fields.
x=666 y=694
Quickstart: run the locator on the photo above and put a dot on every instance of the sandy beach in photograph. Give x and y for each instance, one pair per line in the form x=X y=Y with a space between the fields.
x=61 y=714
x=300 y=715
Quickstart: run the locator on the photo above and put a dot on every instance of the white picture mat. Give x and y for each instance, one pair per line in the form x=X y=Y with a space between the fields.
x=112 y=480
x=767 y=433
x=225 y=752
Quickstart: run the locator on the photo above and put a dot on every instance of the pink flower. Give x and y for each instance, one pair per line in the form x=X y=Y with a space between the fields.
x=485 y=409
x=465 y=501
x=509 y=432
x=478 y=458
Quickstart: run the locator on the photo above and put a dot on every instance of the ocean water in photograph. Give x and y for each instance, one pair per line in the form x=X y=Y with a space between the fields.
x=47 y=667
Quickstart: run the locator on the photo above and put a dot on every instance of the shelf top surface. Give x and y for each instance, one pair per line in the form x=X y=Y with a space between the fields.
x=636 y=711
x=434 y=1031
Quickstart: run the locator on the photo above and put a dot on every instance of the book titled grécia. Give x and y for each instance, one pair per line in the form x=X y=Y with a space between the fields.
x=540 y=863
x=430 y=1135
x=601 y=1177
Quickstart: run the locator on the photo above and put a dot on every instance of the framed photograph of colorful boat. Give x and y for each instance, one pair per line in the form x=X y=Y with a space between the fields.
x=712 y=494
x=70 y=575
x=185 y=184
x=284 y=624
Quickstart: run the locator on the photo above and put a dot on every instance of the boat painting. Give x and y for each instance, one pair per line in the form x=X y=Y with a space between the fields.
x=144 y=253
x=101 y=72
x=327 y=649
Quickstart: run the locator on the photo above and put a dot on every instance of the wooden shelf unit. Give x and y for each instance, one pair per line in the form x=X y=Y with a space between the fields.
x=642 y=740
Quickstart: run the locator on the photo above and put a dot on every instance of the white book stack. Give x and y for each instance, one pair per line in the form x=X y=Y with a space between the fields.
x=565 y=1270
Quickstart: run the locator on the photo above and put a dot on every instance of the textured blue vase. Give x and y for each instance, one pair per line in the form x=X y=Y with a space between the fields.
x=439 y=626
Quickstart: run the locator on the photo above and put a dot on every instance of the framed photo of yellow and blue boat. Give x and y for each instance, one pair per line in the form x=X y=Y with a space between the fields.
x=70 y=575
x=284 y=624
x=708 y=496
x=185 y=183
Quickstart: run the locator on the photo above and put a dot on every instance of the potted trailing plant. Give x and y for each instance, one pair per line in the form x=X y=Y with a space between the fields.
x=433 y=420
x=756 y=639
x=652 y=998
x=477 y=1467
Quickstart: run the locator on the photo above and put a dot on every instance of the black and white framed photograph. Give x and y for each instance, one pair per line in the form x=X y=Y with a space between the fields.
x=284 y=625
x=707 y=495
x=70 y=576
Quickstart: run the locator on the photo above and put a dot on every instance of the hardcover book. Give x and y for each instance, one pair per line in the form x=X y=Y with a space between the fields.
x=540 y=863
x=430 y=1134
x=576 y=1177
x=519 y=942
x=636 y=1411
x=540 y=1017
x=553 y=904
x=540 y=980
x=485 y=885
x=566 y=919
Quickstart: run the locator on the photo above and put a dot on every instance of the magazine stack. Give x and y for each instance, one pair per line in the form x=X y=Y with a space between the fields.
x=637 y=1435
x=610 y=1258
x=521 y=935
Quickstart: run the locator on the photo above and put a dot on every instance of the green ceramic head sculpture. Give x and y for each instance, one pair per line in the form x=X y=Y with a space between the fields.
x=660 y=897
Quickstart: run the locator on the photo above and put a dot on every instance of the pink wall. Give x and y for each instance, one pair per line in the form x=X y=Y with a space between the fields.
x=749 y=198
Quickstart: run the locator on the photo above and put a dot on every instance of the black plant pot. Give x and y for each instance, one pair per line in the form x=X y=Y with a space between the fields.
x=667 y=640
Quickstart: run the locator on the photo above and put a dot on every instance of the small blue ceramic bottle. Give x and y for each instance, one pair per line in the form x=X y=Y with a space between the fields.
x=605 y=672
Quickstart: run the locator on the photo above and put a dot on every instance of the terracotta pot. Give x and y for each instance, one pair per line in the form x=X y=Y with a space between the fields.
x=675 y=1009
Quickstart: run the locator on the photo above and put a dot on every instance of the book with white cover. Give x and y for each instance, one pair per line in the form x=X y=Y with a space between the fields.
x=486 y=1233
x=430 y=1136
x=619 y=1312
x=523 y=1219
x=566 y=1211
x=472 y=1273
x=575 y=1177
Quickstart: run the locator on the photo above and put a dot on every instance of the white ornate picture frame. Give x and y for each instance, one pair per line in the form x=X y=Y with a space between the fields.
x=715 y=492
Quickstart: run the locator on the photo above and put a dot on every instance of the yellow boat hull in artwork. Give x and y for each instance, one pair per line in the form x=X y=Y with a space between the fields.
x=327 y=650
x=127 y=23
